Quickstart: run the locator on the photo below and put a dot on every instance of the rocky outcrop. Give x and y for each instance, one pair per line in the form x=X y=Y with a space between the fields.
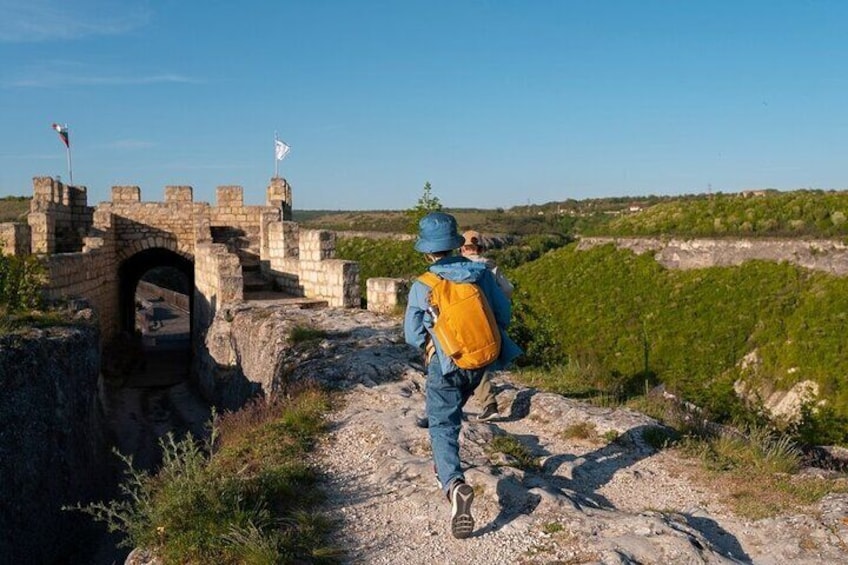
x=607 y=498
x=830 y=256
x=53 y=451
x=251 y=350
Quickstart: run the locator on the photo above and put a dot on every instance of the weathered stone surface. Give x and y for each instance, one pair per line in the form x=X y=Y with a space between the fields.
x=592 y=501
x=87 y=248
x=253 y=349
x=52 y=446
x=822 y=255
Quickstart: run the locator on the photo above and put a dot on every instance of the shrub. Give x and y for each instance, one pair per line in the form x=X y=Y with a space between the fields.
x=21 y=280
x=381 y=258
x=244 y=496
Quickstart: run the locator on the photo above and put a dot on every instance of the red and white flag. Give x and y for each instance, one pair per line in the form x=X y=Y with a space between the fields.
x=62 y=130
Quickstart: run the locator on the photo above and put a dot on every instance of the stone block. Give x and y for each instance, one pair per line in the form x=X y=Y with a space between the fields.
x=177 y=194
x=126 y=194
x=229 y=196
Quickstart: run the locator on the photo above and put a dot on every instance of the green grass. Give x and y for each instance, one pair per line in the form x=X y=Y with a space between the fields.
x=11 y=323
x=381 y=258
x=21 y=281
x=619 y=322
x=755 y=472
x=753 y=468
x=511 y=446
x=246 y=496
x=301 y=334
x=552 y=527
x=796 y=213
x=21 y=301
x=758 y=450
x=580 y=430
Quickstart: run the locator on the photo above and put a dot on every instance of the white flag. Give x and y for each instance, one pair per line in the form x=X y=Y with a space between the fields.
x=280 y=149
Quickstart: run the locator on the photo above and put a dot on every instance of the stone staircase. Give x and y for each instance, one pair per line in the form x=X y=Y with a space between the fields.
x=257 y=287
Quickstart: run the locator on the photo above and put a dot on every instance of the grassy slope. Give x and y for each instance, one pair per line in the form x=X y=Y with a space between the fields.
x=623 y=316
x=788 y=214
x=13 y=208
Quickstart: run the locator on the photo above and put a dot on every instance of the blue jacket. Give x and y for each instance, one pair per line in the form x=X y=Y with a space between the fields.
x=417 y=323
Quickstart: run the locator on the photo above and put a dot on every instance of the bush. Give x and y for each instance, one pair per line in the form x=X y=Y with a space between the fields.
x=381 y=258
x=244 y=496
x=21 y=280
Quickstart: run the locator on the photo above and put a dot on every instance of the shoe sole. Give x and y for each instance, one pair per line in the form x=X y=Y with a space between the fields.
x=484 y=417
x=462 y=522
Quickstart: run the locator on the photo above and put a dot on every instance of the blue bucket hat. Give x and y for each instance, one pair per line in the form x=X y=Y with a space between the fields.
x=437 y=231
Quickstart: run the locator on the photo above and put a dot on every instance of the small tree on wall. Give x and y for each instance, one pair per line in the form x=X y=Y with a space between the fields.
x=426 y=204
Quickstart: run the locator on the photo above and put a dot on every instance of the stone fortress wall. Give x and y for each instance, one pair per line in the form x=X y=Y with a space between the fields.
x=83 y=248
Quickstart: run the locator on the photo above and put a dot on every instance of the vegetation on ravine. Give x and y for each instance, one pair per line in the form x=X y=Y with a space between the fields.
x=604 y=324
x=624 y=322
x=800 y=213
x=245 y=496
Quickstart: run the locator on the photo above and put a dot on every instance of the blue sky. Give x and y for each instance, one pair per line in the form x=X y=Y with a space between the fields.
x=494 y=102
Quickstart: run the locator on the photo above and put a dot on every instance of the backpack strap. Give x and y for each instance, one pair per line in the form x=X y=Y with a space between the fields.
x=430 y=279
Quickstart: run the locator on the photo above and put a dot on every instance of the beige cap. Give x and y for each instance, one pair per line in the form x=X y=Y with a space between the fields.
x=472 y=238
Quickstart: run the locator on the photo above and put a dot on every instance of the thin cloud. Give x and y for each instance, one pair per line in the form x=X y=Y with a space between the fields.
x=131 y=144
x=33 y=157
x=57 y=74
x=205 y=167
x=53 y=82
x=33 y=21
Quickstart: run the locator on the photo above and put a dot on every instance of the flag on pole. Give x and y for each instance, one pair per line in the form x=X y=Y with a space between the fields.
x=281 y=149
x=62 y=130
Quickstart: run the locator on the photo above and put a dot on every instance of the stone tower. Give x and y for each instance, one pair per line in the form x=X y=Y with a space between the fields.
x=279 y=196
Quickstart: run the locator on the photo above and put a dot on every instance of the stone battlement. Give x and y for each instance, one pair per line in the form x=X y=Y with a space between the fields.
x=99 y=253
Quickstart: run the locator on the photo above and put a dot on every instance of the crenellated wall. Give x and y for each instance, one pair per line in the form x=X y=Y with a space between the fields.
x=59 y=216
x=85 y=249
x=301 y=262
x=218 y=281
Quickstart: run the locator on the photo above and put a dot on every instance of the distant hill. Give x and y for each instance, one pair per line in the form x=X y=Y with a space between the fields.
x=756 y=213
x=13 y=208
x=799 y=213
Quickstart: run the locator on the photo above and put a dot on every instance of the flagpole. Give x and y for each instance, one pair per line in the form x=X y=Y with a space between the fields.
x=70 y=169
x=276 y=161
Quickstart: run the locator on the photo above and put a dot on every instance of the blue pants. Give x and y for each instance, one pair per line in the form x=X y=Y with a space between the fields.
x=446 y=395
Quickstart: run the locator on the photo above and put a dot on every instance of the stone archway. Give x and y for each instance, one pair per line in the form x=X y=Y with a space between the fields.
x=148 y=387
x=134 y=267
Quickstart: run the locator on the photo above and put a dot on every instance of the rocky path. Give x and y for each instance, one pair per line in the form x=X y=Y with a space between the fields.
x=589 y=501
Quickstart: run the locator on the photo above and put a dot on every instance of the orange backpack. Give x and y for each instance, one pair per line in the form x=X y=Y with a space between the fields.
x=463 y=322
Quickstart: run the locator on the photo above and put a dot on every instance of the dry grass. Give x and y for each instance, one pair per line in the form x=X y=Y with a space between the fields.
x=582 y=432
x=14 y=208
x=754 y=473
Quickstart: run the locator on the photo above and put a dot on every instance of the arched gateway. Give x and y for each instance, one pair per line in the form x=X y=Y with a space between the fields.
x=226 y=250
